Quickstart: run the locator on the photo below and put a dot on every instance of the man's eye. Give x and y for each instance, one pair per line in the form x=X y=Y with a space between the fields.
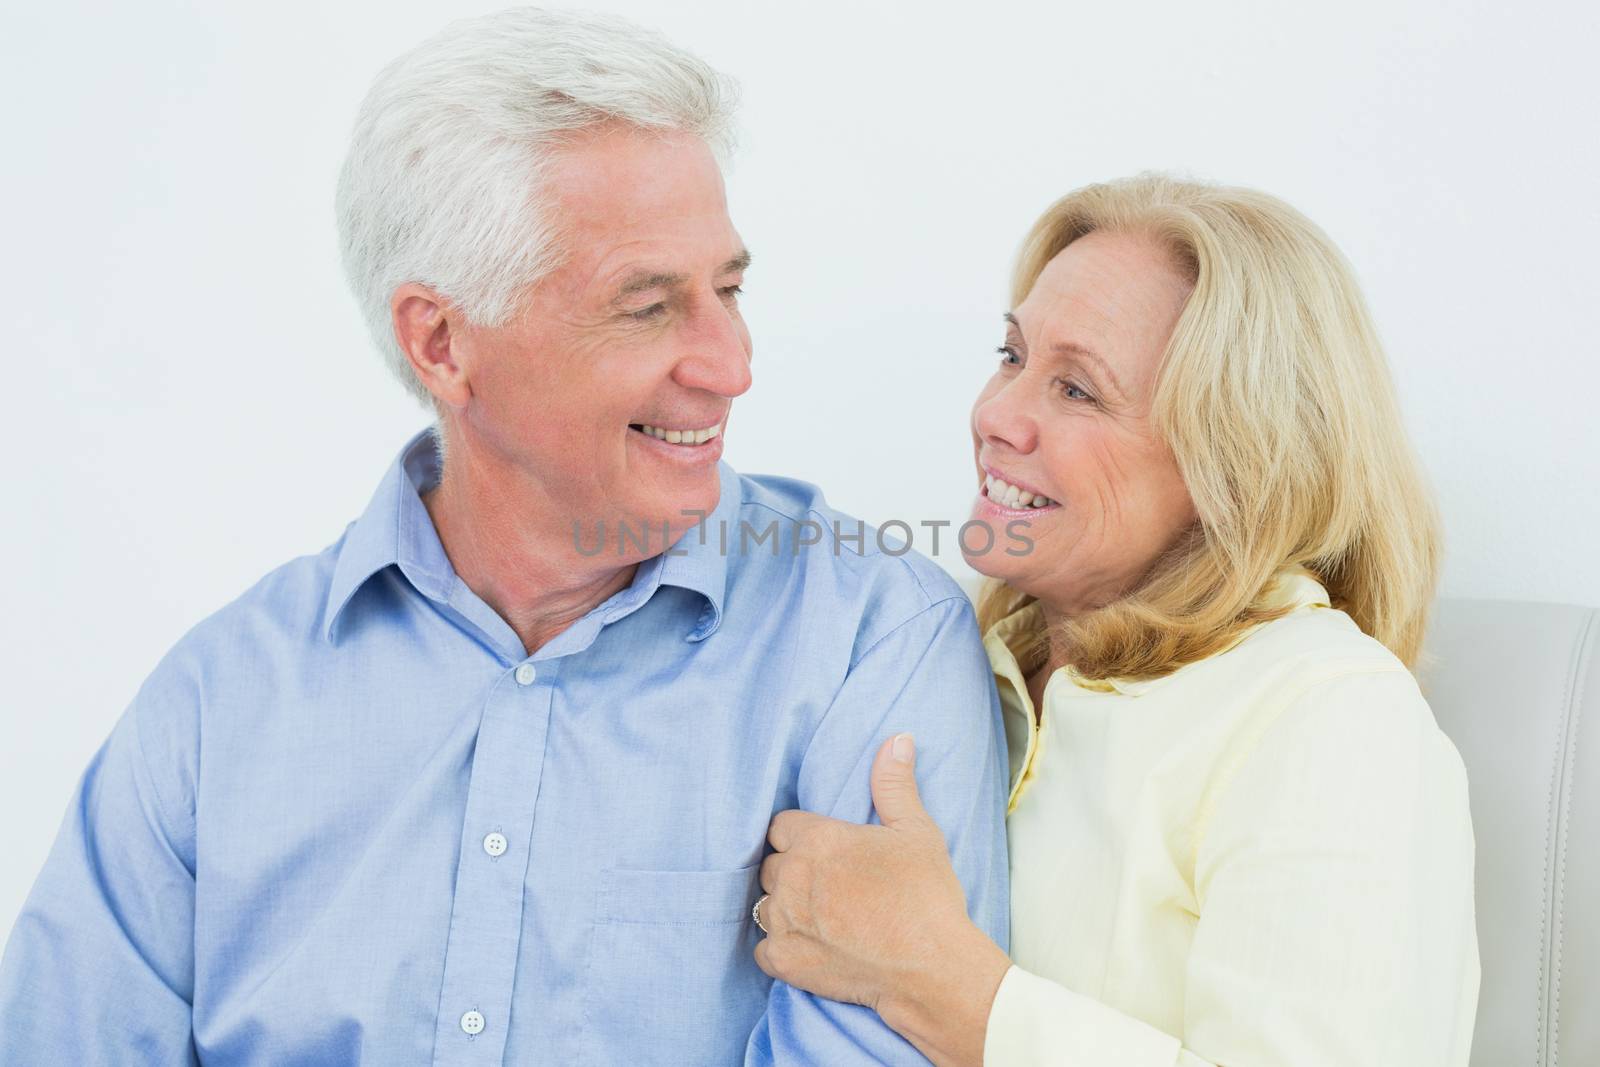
x=651 y=312
x=1008 y=356
x=731 y=290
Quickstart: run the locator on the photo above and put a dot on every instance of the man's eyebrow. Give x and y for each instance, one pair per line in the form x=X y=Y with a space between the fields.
x=645 y=281
x=1088 y=355
x=638 y=283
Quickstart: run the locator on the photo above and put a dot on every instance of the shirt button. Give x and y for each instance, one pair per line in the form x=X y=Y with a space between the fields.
x=494 y=844
x=526 y=674
x=472 y=1023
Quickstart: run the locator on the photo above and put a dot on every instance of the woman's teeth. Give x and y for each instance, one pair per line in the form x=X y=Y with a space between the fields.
x=679 y=437
x=1009 y=496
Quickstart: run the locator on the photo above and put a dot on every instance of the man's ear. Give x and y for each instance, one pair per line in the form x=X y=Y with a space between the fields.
x=423 y=329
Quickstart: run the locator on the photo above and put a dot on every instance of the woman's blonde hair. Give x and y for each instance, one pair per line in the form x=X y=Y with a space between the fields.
x=1275 y=398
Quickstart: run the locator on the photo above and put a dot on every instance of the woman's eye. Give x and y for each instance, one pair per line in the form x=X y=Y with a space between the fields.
x=645 y=314
x=1008 y=356
x=1067 y=389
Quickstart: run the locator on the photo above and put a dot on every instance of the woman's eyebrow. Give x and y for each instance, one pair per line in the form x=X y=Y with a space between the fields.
x=1072 y=349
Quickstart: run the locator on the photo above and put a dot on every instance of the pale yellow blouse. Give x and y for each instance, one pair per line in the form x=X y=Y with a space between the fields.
x=1263 y=858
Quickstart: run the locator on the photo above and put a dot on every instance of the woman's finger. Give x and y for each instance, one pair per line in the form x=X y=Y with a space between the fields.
x=790 y=826
x=764 y=958
x=769 y=871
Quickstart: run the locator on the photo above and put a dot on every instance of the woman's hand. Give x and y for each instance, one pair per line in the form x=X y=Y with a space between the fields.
x=875 y=915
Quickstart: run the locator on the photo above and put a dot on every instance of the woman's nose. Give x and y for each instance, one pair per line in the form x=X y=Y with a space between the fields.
x=1003 y=419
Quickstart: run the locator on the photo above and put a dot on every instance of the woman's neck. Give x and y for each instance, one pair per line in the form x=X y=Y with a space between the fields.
x=1056 y=657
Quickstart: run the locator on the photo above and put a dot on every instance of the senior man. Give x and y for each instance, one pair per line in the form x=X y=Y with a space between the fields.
x=488 y=779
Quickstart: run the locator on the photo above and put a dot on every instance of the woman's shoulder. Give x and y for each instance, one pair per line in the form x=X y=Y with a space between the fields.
x=1358 y=746
x=1312 y=645
x=1277 y=659
x=1314 y=681
x=1331 y=695
x=1327 y=675
x=1342 y=741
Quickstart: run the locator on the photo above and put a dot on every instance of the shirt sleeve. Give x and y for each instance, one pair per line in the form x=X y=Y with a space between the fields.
x=1335 y=892
x=930 y=676
x=99 y=968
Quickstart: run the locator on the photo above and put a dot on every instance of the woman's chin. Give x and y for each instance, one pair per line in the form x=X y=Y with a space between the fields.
x=993 y=563
x=987 y=566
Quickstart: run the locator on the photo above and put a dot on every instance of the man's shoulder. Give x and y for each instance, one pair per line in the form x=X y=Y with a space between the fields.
x=884 y=554
x=281 y=607
x=236 y=648
x=874 y=570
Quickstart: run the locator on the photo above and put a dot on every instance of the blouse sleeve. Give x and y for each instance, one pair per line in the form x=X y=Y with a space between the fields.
x=1334 y=883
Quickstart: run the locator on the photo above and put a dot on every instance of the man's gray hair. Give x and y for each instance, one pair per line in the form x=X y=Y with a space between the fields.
x=442 y=184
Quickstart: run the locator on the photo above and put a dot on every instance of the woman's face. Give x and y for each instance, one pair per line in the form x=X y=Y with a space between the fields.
x=1066 y=417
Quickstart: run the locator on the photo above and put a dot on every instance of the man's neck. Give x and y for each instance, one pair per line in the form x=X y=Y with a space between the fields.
x=530 y=573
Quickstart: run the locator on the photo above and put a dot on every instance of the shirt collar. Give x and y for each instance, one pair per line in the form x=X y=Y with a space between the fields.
x=1295 y=587
x=696 y=561
x=396 y=529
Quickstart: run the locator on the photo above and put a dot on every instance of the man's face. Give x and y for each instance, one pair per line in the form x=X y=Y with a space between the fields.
x=638 y=328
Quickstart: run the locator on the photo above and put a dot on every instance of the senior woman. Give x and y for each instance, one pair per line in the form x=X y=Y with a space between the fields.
x=1237 y=835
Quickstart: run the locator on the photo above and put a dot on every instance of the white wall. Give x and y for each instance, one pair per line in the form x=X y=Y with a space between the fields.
x=193 y=400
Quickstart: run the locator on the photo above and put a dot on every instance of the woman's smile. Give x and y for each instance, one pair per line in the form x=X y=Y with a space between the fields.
x=1001 y=493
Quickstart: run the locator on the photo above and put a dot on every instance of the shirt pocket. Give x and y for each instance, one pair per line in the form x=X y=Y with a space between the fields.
x=671 y=975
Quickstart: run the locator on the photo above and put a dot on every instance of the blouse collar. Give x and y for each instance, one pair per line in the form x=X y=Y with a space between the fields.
x=1296 y=587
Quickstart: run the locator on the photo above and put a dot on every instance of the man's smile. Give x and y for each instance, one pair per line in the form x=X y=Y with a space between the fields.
x=679 y=437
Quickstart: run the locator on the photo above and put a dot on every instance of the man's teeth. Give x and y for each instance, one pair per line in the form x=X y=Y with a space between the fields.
x=681 y=437
x=1009 y=496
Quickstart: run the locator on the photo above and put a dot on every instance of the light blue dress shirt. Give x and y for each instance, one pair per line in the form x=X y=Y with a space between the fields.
x=348 y=820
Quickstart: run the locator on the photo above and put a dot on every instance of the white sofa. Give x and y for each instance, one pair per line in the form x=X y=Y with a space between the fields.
x=1516 y=686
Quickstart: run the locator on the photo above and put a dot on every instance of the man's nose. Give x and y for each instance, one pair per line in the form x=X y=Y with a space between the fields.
x=717 y=358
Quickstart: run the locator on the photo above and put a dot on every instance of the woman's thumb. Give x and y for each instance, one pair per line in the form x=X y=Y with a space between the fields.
x=894 y=782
